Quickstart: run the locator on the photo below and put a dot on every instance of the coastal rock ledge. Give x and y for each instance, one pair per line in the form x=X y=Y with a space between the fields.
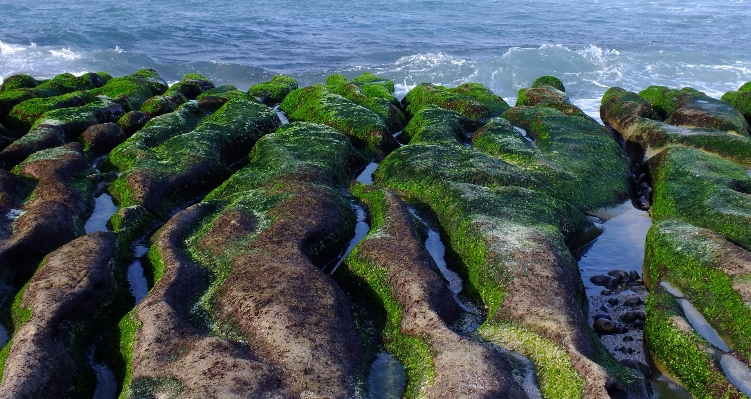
x=193 y=241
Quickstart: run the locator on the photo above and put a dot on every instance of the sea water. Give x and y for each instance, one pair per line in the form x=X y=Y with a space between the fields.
x=591 y=44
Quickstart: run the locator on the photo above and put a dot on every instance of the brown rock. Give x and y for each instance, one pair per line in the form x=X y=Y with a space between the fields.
x=102 y=138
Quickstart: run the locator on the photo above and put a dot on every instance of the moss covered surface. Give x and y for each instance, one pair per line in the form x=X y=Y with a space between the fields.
x=20 y=81
x=23 y=115
x=366 y=129
x=697 y=261
x=704 y=190
x=381 y=102
x=414 y=352
x=274 y=91
x=740 y=100
x=133 y=90
x=689 y=107
x=57 y=86
x=674 y=344
x=556 y=373
x=163 y=104
x=191 y=86
x=155 y=132
x=472 y=100
x=161 y=176
x=637 y=122
x=550 y=81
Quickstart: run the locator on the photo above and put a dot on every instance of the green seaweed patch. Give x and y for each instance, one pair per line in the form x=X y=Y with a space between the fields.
x=550 y=97
x=23 y=115
x=155 y=132
x=20 y=81
x=703 y=190
x=550 y=81
x=365 y=128
x=19 y=316
x=675 y=345
x=574 y=155
x=664 y=100
x=472 y=100
x=413 y=351
x=555 y=370
x=191 y=86
x=691 y=258
x=740 y=100
x=189 y=163
x=163 y=104
x=274 y=91
x=391 y=114
x=148 y=388
x=434 y=125
x=125 y=334
x=133 y=90
x=57 y=86
x=297 y=151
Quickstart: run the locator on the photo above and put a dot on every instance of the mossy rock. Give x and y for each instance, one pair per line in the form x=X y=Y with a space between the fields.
x=550 y=81
x=375 y=86
x=163 y=104
x=133 y=90
x=23 y=115
x=300 y=150
x=365 y=128
x=186 y=164
x=472 y=100
x=676 y=346
x=133 y=121
x=155 y=132
x=436 y=125
x=740 y=100
x=703 y=190
x=274 y=91
x=633 y=118
x=391 y=114
x=191 y=86
x=550 y=97
x=61 y=84
x=710 y=271
x=689 y=107
x=745 y=87
x=575 y=155
x=20 y=81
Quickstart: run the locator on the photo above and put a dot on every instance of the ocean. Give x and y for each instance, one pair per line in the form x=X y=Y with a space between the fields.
x=590 y=45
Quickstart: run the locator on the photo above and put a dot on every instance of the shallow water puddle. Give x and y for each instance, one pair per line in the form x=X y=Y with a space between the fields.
x=139 y=287
x=523 y=133
x=282 y=115
x=387 y=377
x=106 y=386
x=361 y=230
x=104 y=208
x=619 y=247
x=738 y=373
x=366 y=176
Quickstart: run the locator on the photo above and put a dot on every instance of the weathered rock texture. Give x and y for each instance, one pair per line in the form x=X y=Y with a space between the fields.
x=700 y=239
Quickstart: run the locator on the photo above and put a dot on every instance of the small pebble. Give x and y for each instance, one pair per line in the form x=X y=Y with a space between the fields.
x=602 y=316
x=605 y=308
x=606 y=292
x=613 y=301
x=632 y=301
x=603 y=326
x=628 y=338
x=601 y=280
x=639 y=324
x=634 y=275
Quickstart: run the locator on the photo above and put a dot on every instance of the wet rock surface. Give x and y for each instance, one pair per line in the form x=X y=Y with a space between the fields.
x=244 y=211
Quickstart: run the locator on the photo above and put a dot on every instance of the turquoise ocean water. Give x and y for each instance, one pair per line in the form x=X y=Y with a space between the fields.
x=590 y=45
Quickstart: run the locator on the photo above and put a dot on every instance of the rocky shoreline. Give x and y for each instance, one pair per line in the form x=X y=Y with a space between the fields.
x=245 y=207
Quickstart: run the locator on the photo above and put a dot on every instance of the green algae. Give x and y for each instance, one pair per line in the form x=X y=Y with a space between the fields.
x=20 y=81
x=414 y=352
x=556 y=374
x=191 y=86
x=365 y=128
x=389 y=112
x=691 y=259
x=274 y=91
x=23 y=115
x=163 y=104
x=155 y=132
x=703 y=190
x=550 y=81
x=57 y=86
x=472 y=100
x=133 y=90
x=740 y=100
x=125 y=335
x=677 y=347
x=187 y=163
